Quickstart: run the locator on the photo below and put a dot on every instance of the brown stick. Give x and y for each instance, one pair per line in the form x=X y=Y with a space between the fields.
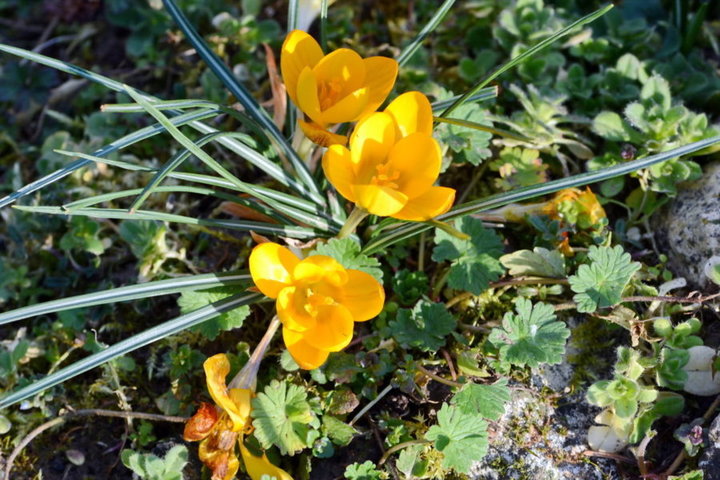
x=82 y=413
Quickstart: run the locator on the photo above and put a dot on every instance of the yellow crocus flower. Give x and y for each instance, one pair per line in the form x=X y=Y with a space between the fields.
x=220 y=427
x=392 y=163
x=318 y=300
x=334 y=88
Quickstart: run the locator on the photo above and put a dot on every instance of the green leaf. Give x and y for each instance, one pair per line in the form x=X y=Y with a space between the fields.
x=193 y=299
x=475 y=261
x=410 y=462
x=83 y=235
x=461 y=437
x=424 y=327
x=429 y=27
x=362 y=471
x=487 y=401
x=347 y=252
x=151 y=467
x=532 y=336
x=282 y=416
x=601 y=283
x=611 y=126
x=694 y=475
x=338 y=431
x=539 y=262
x=519 y=167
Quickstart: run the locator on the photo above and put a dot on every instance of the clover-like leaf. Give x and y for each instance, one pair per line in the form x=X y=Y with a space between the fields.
x=474 y=261
x=601 y=283
x=347 y=252
x=193 y=299
x=531 y=336
x=461 y=437
x=424 y=327
x=485 y=400
x=282 y=416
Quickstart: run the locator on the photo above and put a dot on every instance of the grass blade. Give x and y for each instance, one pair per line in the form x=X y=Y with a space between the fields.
x=122 y=214
x=118 y=144
x=407 y=230
x=292 y=15
x=229 y=143
x=222 y=171
x=429 y=27
x=525 y=55
x=128 y=345
x=125 y=294
x=484 y=94
x=323 y=24
x=240 y=92
x=477 y=126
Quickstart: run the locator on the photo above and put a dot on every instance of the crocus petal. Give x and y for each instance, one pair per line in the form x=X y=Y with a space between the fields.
x=362 y=295
x=382 y=201
x=304 y=354
x=348 y=108
x=417 y=158
x=320 y=267
x=291 y=309
x=370 y=144
x=342 y=69
x=412 y=113
x=223 y=464
x=236 y=403
x=434 y=202
x=202 y=423
x=333 y=330
x=256 y=467
x=271 y=267
x=299 y=51
x=307 y=96
x=339 y=170
x=320 y=135
x=382 y=72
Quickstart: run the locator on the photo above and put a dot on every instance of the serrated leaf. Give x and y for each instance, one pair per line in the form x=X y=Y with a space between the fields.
x=338 y=431
x=601 y=283
x=475 y=261
x=362 y=471
x=282 y=416
x=460 y=437
x=191 y=300
x=347 y=252
x=424 y=327
x=519 y=167
x=485 y=400
x=531 y=336
x=539 y=262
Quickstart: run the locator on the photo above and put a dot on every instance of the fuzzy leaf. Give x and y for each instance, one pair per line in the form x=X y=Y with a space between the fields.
x=487 y=401
x=475 y=261
x=192 y=300
x=461 y=437
x=601 y=283
x=347 y=252
x=281 y=417
x=540 y=262
x=424 y=327
x=362 y=471
x=531 y=336
x=338 y=431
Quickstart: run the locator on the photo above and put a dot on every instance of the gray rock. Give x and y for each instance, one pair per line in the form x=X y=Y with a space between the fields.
x=688 y=228
x=534 y=440
x=710 y=458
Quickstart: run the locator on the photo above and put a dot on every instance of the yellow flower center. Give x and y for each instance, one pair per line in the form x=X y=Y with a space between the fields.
x=315 y=301
x=384 y=177
x=329 y=92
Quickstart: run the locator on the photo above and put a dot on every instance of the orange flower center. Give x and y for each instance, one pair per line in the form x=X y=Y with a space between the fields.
x=315 y=301
x=384 y=177
x=329 y=92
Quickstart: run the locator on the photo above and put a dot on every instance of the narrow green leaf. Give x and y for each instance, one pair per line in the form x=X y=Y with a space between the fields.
x=429 y=27
x=122 y=214
x=128 y=345
x=323 y=24
x=402 y=231
x=240 y=92
x=477 y=126
x=292 y=15
x=525 y=55
x=487 y=93
x=118 y=144
x=125 y=294
x=160 y=105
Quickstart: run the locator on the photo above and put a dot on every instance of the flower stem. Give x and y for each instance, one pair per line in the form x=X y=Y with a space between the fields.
x=356 y=216
x=248 y=375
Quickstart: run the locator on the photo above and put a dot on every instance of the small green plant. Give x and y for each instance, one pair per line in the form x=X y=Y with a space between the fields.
x=151 y=467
